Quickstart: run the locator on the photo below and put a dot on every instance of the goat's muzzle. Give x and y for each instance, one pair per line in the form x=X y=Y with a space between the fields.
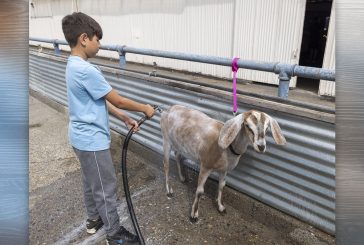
x=261 y=148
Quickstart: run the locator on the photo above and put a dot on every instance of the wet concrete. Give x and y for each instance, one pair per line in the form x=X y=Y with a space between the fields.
x=57 y=214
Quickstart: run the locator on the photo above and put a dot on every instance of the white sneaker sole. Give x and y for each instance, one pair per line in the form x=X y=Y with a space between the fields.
x=91 y=231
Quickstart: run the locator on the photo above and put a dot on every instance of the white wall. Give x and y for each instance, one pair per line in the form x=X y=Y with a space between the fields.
x=266 y=30
x=327 y=87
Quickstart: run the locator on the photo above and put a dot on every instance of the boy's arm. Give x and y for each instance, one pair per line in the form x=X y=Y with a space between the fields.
x=123 y=103
x=129 y=122
x=116 y=112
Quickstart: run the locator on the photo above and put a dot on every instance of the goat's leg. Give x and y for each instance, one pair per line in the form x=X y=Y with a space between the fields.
x=222 y=182
x=178 y=159
x=167 y=152
x=204 y=174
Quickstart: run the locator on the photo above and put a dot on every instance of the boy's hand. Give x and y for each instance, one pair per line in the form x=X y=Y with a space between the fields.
x=149 y=111
x=130 y=123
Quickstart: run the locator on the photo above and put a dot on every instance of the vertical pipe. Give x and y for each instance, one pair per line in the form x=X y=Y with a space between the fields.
x=283 y=87
x=57 y=51
x=122 y=58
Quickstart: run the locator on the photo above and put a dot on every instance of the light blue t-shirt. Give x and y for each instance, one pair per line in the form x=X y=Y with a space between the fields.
x=88 y=128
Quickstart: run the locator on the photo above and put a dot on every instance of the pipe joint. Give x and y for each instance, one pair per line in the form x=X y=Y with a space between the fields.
x=57 y=51
x=122 y=55
x=285 y=72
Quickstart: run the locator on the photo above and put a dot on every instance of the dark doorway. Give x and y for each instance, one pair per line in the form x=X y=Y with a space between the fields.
x=316 y=24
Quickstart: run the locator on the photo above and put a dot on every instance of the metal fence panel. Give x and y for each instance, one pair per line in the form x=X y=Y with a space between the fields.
x=298 y=178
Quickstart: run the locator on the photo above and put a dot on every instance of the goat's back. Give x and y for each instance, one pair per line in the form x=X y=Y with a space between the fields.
x=189 y=131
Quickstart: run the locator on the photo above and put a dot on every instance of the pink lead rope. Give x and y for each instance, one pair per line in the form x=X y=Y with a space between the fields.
x=234 y=68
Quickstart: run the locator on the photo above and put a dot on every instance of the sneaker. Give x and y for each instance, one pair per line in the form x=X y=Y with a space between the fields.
x=93 y=225
x=123 y=236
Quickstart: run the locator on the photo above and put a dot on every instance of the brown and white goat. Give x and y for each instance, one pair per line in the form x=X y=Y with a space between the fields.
x=215 y=145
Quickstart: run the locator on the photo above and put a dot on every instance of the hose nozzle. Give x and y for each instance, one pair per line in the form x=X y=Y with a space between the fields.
x=157 y=108
x=142 y=120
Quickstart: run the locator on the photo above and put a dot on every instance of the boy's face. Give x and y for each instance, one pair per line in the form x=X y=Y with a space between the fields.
x=91 y=45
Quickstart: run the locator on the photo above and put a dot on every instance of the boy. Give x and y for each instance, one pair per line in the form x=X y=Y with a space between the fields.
x=89 y=98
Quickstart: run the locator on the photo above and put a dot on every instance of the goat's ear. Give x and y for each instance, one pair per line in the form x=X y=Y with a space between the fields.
x=276 y=131
x=230 y=130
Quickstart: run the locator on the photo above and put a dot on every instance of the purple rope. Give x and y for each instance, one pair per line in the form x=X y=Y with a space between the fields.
x=234 y=68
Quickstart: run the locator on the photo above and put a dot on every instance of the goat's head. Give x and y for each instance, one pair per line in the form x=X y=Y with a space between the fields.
x=254 y=124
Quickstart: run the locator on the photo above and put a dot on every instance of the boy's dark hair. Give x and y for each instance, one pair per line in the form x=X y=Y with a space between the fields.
x=75 y=24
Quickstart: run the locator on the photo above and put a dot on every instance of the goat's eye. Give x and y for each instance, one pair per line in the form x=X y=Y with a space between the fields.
x=251 y=131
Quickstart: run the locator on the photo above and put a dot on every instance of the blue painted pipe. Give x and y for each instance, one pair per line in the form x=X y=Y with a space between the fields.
x=284 y=71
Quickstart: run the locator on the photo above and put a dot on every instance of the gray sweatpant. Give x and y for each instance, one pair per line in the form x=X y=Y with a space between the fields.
x=99 y=187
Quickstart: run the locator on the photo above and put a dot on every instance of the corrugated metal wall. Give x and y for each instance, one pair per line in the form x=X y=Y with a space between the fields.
x=298 y=178
x=327 y=87
x=250 y=29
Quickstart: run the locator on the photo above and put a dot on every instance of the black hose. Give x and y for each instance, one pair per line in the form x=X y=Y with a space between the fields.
x=126 y=184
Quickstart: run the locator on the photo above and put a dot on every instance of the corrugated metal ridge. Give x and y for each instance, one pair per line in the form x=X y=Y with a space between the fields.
x=258 y=102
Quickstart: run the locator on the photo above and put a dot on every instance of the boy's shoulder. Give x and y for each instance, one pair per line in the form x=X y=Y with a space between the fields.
x=76 y=63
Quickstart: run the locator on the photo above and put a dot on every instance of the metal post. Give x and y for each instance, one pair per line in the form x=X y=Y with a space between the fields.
x=57 y=51
x=122 y=58
x=283 y=87
x=285 y=72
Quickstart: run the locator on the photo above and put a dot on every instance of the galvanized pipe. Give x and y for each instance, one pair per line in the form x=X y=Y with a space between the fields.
x=46 y=40
x=285 y=71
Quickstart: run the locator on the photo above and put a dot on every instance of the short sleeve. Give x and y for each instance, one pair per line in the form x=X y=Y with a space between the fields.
x=95 y=83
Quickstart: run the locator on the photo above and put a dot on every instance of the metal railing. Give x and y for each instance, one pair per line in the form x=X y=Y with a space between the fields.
x=285 y=71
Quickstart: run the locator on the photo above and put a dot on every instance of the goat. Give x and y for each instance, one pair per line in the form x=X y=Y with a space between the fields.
x=215 y=145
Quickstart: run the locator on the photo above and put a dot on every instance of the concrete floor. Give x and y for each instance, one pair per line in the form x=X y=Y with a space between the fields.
x=57 y=214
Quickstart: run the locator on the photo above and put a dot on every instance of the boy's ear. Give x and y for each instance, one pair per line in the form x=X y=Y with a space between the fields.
x=82 y=39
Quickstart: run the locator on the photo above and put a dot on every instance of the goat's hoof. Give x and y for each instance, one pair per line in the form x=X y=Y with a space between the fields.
x=170 y=195
x=221 y=209
x=193 y=219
